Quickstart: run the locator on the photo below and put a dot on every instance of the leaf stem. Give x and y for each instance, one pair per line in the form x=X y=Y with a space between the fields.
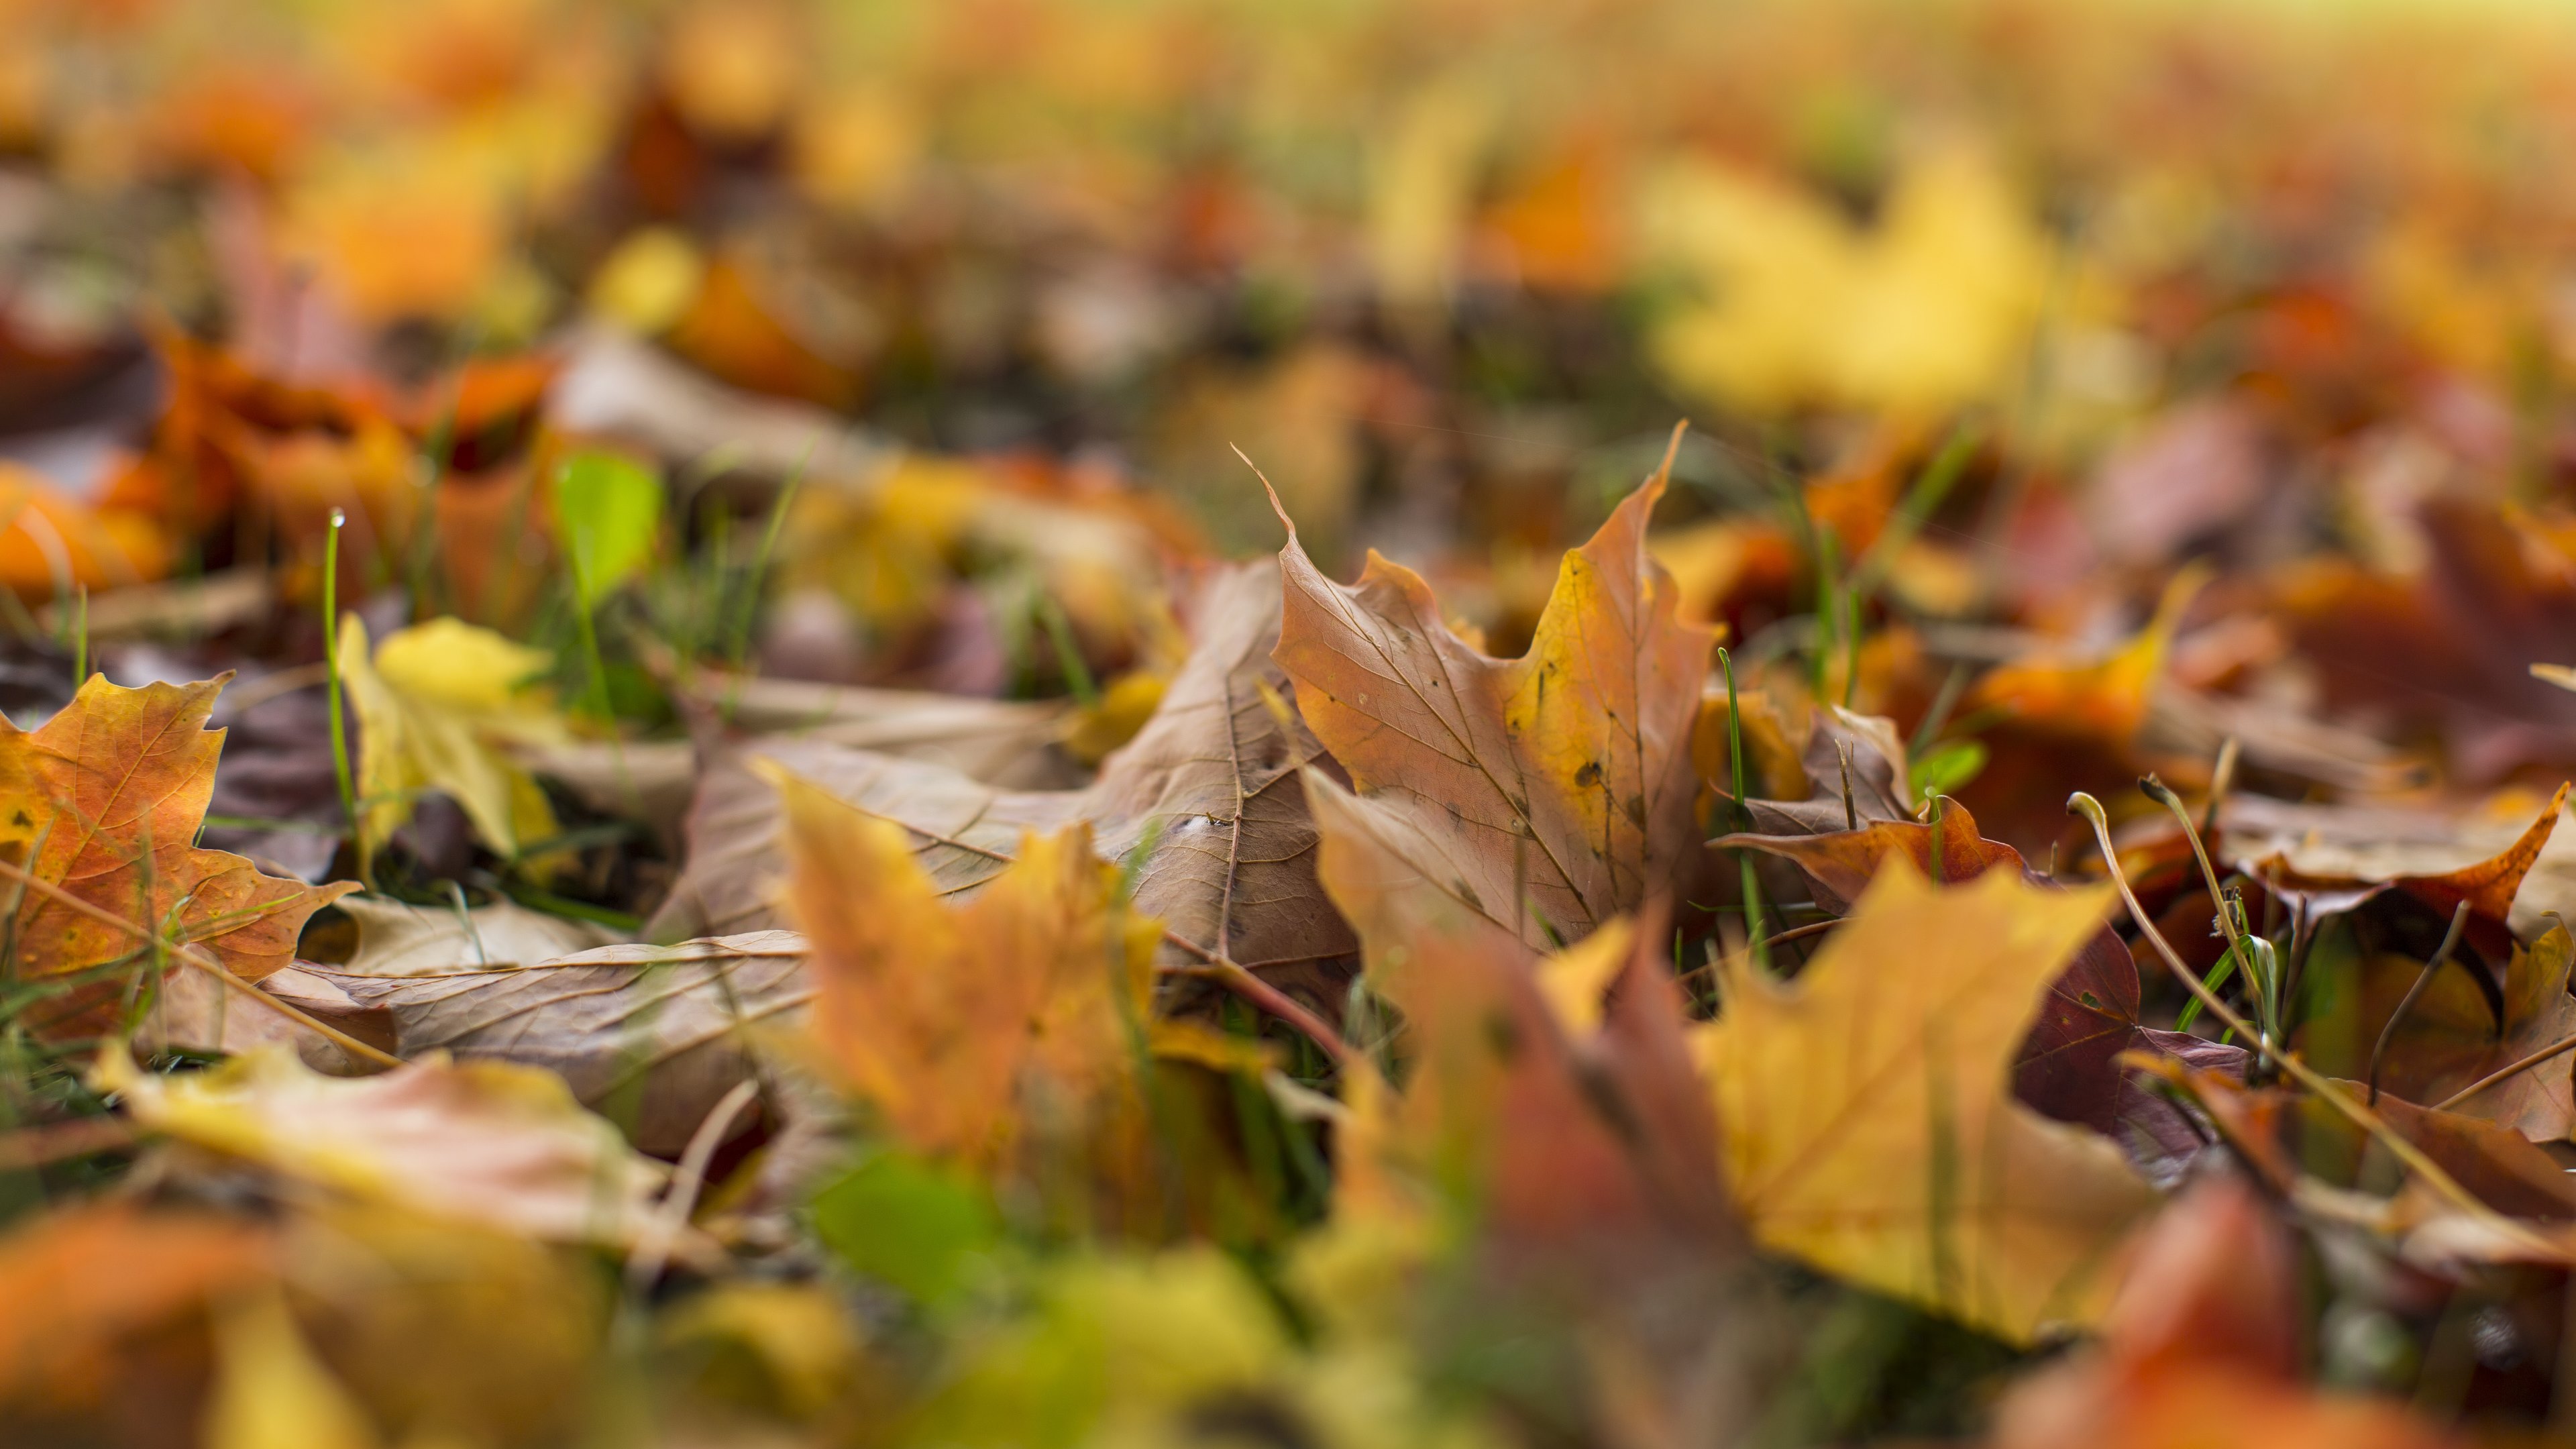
x=331 y=670
x=1752 y=884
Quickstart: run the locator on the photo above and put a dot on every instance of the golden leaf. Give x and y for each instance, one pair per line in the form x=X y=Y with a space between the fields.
x=104 y=801
x=1867 y=1117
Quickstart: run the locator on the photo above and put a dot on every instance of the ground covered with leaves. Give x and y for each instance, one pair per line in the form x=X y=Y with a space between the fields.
x=1030 y=724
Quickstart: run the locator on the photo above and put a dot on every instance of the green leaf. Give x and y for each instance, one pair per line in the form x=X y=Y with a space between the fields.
x=607 y=509
x=1945 y=768
x=912 y=1225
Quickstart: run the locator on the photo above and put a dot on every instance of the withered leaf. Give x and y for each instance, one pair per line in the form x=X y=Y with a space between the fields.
x=2068 y=1064
x=960 y=1024
x=1867 y=1119
x=104 y=801
x=1212 y=779
x=1552 y=791
x=2203 y=1348
x=494 y=1143
x=676 y=1026
x=2450 y=1039
x=2488 y=886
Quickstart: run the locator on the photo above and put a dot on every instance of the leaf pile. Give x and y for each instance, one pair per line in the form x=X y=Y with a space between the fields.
x=754 y=723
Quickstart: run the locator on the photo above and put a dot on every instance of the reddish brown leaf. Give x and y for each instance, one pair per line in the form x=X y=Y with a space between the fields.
x=1555 y=788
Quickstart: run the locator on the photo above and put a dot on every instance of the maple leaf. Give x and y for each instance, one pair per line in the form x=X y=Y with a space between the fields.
x=1212 y=779
x=1557 y=785
x=2202 y=1348
x=2487 y=887
x=2067 y=1064
x=1925 y=312
x=104 y=802
x=947 y=1019
x=435 y=702
x=1867 y=1117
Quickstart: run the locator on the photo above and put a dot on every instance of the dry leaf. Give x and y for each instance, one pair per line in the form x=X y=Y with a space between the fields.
x=1867 y=1115
x=675 y=1026
x=1557 y=785
x=397 y=938
x=104 y=801
x=436 y=704
x=487 y=1142
x=2202 y=1349
x=946 y=1020
x=1212 y=779
x=2067 y=1067
x=2450 y=1039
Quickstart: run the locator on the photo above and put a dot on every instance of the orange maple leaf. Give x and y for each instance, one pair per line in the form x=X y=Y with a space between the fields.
x=104 y=803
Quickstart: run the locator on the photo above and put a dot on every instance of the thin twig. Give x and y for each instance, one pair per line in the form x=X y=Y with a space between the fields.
x=2406 y=1153
x=1800 y=933
x=2406 y=1003
x=2222 y=777
x=1238 y=978
x=57 y=1141
x=662 y=1229
x=190 y=955
x=2499 y=1074
x=1851 y=814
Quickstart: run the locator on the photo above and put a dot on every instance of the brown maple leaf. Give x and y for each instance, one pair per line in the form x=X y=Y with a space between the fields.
x=1211 y=780
x=2202 y=1347
x=104 y=802
x=1556 y=786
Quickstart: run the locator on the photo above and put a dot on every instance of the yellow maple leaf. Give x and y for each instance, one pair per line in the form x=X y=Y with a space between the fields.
x=1867 y=1117
x=947 y=1019
x=437 y=704
x=1930 y=310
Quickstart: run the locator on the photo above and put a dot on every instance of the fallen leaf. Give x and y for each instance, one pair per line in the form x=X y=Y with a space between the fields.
x=2450 y=1037
x=2488 y=886
x=1928 y=311
x=397 y=938
x=1556 y=786
x=437 y=706
x=104 y=801
x=655 y=1034
x=50 y=543
x=1867 y=1118
x=83 y=1279
x=943 y=1019
x=1000 y=741
x=2202 y=1348
x=2068 y=1064
x=487 y=1142
x=1212 y=779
